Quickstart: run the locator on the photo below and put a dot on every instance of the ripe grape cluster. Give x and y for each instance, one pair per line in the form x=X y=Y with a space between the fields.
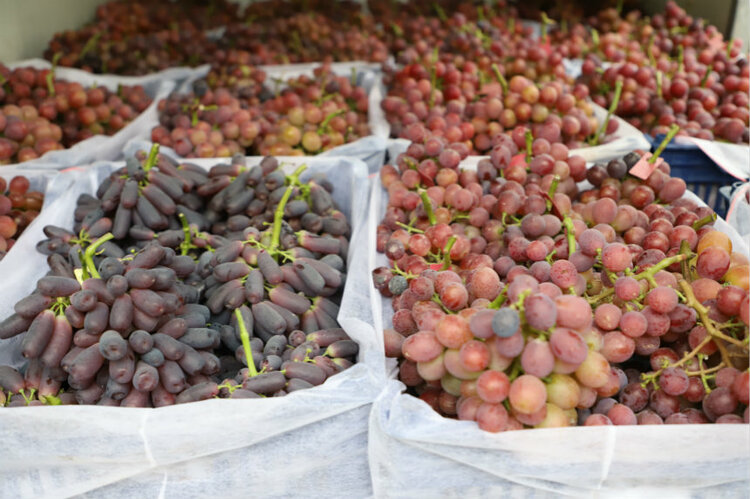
x=231 y=112
x=180 y=284
x=462 y=103
x=674 y=70
x=41 y=113
x=19 y=206
x=522 y=299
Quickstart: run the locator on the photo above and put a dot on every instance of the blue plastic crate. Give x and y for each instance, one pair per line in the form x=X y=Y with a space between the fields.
x=702 y=175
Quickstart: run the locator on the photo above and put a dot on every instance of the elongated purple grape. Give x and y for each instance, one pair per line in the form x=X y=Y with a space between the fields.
x=87 y=363
x=275 y=345
x=84 y=300
x=174 y=327
x=145 y=377
x=217 y=300
x=141 y=320
x=241 y=393
x=11 y=380
x=13 y=325
x=270 y=269
x=112 y=345
x=59 y=265
x=192 y=362
x=159 y=199
x=311 y=277
x=231 y=270
x=327 y=306
x=318 y=244
x=69 y=357
x=38 y=335
x=305 y=351
x=291 y=320
x=153 y=357
x=97 y=319
x=170 y=347
x=138 y=231
x=320 y=199
x=211 y=363
x=168 y=184
x=266 y=383
x=172 y=377
x=122 y=370
x=268 y=318
x=115 y=390
x=149 y=257
x=140 y=278
x=161 y=397
x=89 y=395
x=111 y=196
x=33 y=375
x=75 y=318
x=254 y=287
x=49 y=385
x=100 y=227
x=57 y=286
x=129 y=194
x=136 y=398
x=150 y=215
x=331 y=276
x=201 y=338
x=326 y=364
x=84 y=339
x=295 y=384
x=99 y=287
x=121 y=314
x=30 y=306
x=326 y=337
x=202 y=391
x=292 y=301
x=122 y=221
x=59 y=343
x=140 y=341
x=117 y=285
x=324 y=320
x=309 y=322
x=342 y=348
x=334 y=261
x=148 y=302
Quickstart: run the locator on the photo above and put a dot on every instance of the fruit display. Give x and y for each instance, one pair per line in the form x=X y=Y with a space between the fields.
x=523 y=300
x=179 y=284
x=40 y=112
x=19 y=206
x=231 y=112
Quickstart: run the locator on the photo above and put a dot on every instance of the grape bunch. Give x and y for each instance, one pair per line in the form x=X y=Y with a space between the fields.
x=18 y=208
x=674 y=70
x=180 y=284
x=523 y=300
x=463 y=104
x=309 y=116
x=41 y=113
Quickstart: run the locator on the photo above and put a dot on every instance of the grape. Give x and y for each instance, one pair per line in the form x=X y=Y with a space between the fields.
x=505 y=322
x=527 y=394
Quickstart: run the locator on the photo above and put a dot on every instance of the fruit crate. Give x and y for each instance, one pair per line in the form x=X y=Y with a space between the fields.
x=703 y=176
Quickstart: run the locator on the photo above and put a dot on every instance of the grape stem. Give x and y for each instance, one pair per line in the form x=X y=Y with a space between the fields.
x=88 y=255
x=667 y=139
x=187 y=243
x=704 y=80
x=447 y=252
x=571 y=234
x=278 y=214
x=428 y=207
x=646 y=274
x=659 y=78
x=409 y=228
x=612 y=108
x=325 y=123
x=500 y=299
x=500 y=78
x=245 y=337
x=710 y=218
x=529 y=142
x=151 y=160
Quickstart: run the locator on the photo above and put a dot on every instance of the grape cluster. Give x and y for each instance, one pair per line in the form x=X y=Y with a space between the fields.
x=460 y=103
x=522 y=300
x=674 y=70
x=309 y=116
x=18 y=208
x=41 y=113
x=179 y=284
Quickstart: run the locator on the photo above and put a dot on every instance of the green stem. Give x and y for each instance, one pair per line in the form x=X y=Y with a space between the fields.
x=710 y=218
x=245 y=337
x=409 y=228
x=680 y=59
x=670 y=135
x=612 y=108
x=324 y=125
x=659 y=78
x=440 y=12
x=447 y=252
x=88 y=255
x=529 y=142
x=278 y=214
x=500 y=78
x=646 y=274
x=152 y=157
x=704 y=80
x=571 y=234
x=730 y=44
x=649 y=51
x=552 y=189
x=428 y=207
x=595 y=37
x=187 y=243
x=500 y=299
